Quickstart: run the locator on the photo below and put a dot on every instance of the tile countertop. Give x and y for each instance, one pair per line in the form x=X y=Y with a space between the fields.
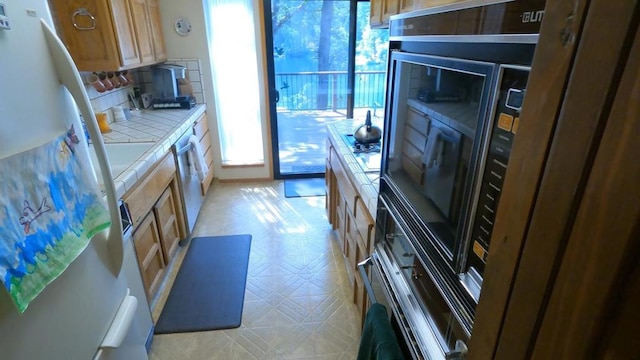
x=161 y=127
x=367 y=184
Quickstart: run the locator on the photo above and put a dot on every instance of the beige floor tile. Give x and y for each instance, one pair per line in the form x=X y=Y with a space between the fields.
x=298 y=299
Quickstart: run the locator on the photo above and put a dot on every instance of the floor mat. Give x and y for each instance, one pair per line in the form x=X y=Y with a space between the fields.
x=208 y=292
x=304 y=187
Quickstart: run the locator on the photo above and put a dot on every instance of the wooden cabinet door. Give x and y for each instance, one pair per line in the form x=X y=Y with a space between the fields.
x=91 y=49
x=157 y=34
x=142 y=26
x=375 y=18
x=408 y=5
x=169 y=231
x=389 y=8
x=146 y=241
x=126 y=33
x=424 y=4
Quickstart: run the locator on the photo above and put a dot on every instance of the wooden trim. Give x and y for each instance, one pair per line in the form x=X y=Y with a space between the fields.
x=603 y=244
x=266 y=106
x=222 y=181
x=243 y=166
x=579 y=126
x=545 y=91
x=144 y=195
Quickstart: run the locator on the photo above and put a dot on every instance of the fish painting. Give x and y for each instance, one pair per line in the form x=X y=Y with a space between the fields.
x=29 y=215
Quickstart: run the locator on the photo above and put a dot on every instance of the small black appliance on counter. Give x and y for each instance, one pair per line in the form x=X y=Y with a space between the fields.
x=172 y=89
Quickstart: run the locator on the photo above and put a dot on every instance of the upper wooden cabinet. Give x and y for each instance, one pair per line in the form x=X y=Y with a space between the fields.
x=110 y=35
x=382 y=10
x=156 y=30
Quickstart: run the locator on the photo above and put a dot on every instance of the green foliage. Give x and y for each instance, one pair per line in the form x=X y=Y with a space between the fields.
x=296 y=37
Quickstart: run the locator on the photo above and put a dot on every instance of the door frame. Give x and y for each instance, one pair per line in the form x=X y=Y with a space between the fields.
x=273 y=92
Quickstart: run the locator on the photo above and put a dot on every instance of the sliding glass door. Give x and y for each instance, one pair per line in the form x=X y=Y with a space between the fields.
x=325 y=65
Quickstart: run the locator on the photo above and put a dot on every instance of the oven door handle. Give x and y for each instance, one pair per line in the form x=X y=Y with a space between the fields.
x=365 y=278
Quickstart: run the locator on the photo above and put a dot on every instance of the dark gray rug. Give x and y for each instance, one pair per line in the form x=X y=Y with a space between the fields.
x=304 y=187
x=208 y=292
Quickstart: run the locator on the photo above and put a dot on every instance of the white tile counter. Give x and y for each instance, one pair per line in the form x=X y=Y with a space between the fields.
x=367 y=184
x=160 y=127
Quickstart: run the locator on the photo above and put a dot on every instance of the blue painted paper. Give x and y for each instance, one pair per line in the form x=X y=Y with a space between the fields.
x=50 y=208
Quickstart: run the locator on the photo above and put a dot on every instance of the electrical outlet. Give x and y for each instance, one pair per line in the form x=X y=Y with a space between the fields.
x=147 y=99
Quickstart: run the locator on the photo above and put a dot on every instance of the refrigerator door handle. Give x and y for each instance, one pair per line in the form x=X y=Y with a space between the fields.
x=68 y=75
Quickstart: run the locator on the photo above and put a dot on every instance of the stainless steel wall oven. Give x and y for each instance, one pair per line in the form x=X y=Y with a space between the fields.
x=457 y=79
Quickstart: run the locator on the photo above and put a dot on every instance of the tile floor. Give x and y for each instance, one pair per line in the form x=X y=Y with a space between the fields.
x=298 y=298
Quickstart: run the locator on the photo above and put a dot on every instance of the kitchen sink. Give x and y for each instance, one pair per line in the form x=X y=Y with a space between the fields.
x=120 y=155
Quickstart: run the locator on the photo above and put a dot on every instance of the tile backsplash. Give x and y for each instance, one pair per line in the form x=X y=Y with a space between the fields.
x=103 y=102
x=194 y=75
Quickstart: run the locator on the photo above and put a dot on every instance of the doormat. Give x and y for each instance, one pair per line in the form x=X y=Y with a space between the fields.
x=308 y=169
x=208 y=292
x=304 y=187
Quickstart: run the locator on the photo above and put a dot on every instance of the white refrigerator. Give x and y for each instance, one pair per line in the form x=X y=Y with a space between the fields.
x=95 y=308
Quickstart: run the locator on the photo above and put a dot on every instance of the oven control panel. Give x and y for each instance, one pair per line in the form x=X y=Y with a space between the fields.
x=505 y=126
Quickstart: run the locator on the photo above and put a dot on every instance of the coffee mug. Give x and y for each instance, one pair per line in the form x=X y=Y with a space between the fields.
x=123 y=79
x=107 y=83
x=114 y=80
x=96 y=83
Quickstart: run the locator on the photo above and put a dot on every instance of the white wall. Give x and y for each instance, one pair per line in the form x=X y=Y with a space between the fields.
x=195 y=46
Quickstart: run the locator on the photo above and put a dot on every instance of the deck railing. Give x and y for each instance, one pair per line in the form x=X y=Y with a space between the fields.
x=301 y=91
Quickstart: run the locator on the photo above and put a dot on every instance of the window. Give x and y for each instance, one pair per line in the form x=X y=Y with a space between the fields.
x=234 y=67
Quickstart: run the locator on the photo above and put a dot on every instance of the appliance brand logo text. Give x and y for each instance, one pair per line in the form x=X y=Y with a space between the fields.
x=532 y=16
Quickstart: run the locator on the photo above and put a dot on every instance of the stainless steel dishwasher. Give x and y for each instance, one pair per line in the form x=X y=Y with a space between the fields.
x=189 y=182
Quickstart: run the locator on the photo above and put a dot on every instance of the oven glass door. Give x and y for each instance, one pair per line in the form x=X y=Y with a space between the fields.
x=435 y=126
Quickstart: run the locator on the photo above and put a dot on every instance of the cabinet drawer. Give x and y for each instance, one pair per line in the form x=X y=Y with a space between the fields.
x=208 y=155
x=418 y=121
x=343 y=182
x=351 y=253
x=205 y=145
x=201 y=127
x=340 y=230
x=352 y=227
x=364 y=224
x=141 y=199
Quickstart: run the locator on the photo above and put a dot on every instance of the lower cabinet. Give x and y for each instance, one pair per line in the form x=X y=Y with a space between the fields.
x=351 y=221
x=146 y=240
x=155 y=205
x=165 y=215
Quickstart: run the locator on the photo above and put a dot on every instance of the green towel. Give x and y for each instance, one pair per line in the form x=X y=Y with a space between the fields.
x=378 y=340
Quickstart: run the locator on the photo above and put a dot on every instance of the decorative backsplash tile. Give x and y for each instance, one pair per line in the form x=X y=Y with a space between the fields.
x=103 y=102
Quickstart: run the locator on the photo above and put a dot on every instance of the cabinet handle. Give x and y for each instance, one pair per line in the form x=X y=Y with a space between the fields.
x=83 y=12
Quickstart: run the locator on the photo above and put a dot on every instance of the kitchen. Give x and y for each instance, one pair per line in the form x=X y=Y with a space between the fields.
x=538 y=188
